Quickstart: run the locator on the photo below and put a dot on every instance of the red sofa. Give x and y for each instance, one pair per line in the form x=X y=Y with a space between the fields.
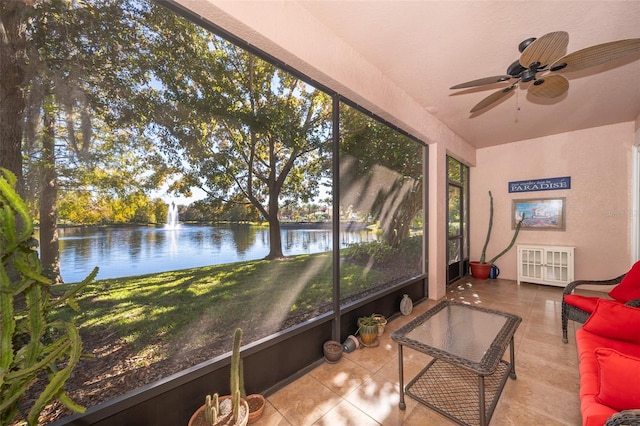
x=609 y=353
x=577 y=307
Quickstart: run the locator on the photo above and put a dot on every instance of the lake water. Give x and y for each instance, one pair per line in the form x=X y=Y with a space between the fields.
x=141 y=250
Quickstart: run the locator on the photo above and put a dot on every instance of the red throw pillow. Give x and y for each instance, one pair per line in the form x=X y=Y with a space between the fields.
x=629 y=287
x=586 y=303
x=614 y=320
x=618 y=380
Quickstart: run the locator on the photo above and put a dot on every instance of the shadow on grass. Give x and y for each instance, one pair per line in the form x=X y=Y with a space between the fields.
x=143 y=328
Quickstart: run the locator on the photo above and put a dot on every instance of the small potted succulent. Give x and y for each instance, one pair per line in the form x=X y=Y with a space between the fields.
x=230 y=410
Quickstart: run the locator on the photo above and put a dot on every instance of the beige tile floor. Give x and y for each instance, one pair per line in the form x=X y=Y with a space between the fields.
x=362 y=389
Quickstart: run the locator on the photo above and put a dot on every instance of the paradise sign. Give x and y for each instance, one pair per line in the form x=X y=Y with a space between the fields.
x=547 y=184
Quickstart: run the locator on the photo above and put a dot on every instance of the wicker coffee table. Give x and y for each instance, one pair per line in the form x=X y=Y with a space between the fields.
x=467 y=372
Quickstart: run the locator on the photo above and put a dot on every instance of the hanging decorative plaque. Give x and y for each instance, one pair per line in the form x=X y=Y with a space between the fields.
x=548 y=184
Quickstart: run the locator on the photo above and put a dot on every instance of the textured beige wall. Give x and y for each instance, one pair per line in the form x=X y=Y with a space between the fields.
x=598 y=205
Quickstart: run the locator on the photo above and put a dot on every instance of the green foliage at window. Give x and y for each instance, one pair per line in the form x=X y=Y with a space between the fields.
x=382 y=253
x=31 y=345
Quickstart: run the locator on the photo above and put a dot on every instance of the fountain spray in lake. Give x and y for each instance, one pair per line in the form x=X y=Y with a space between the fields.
x=172 y=217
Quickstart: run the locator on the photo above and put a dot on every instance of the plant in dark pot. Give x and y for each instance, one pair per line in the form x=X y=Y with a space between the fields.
x=481 y=269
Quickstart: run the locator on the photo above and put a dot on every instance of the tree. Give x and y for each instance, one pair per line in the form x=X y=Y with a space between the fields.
x=108 y=81
x=380 y=173
x=13 y=63
x=239 y=126
x=81 y=134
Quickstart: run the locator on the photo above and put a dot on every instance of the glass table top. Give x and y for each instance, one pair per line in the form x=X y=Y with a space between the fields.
x=467 y=333
x=473 y=336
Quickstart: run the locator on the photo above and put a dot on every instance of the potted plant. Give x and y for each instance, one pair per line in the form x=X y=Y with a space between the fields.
x=231 y=410
x=368 y=329
x=34 y=348
x=382 y=322
x=332 y=351
x=256 y=403
x=481 y=269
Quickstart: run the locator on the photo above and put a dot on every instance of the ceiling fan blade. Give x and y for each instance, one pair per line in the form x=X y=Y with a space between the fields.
x=494 y=97
x=545 y=49
x=550 y=86
x=596 y=55
x=482 y=81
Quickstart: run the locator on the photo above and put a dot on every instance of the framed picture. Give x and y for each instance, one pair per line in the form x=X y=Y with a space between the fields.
x=539 y=213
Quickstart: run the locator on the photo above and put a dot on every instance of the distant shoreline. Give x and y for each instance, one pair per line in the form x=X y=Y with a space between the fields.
x=344 y=226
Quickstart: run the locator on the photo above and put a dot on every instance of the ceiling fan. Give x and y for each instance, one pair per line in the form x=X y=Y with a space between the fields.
x=545 y=55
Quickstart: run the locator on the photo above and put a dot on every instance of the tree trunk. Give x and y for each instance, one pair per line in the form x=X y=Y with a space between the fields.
x=275 y=237
x=49 y=250
x=399 y=225
x=12 y=71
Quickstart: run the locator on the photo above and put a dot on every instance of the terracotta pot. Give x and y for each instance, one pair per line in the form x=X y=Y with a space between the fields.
x=332 y=351
x=197 y=419
x=479 y=270
x=256 y=404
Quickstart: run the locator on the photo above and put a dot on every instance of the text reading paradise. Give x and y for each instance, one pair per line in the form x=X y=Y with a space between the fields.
x=548 y=184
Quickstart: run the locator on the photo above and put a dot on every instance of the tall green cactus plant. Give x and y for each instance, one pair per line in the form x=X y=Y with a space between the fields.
x=237 y=373
x=31 y=345
x=212 y=412
x=490 y=227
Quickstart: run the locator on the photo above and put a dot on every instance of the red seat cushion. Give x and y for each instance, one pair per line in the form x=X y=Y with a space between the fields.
x=629 y=287
x=614 y=320
x=586 y=303
x=618 y=379
x=593 y=412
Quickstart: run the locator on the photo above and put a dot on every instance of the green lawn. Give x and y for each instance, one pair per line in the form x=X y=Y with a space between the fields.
x=186 y=309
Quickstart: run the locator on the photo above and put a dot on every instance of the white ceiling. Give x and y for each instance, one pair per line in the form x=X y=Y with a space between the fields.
x=428 y=46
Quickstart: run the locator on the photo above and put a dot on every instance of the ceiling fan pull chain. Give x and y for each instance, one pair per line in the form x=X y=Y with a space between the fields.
x=517 y=106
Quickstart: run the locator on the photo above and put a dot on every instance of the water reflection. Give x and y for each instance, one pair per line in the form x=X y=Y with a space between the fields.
x=141 y=250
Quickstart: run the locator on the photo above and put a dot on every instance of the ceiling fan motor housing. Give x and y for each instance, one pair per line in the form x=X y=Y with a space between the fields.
x=530 y=73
